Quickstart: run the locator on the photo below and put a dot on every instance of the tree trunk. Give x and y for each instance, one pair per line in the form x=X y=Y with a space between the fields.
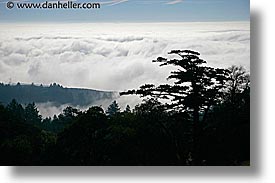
x=196 y=134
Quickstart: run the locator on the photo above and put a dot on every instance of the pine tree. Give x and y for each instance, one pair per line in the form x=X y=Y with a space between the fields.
x=32 y=115
x=113 y=109
x=196 y=88
x=127 y=109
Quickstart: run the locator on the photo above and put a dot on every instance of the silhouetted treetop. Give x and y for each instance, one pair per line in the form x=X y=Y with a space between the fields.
x=127 y=109
x=239 y=79
x=113 y=109
x=195 y=84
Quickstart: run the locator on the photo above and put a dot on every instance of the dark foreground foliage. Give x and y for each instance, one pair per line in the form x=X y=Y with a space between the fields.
x=153 y=133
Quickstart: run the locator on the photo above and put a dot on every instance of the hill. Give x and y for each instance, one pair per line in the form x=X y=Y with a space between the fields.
x=55 y=93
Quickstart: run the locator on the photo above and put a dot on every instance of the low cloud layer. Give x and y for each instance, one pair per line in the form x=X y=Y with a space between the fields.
x=113 y=56
x=50 y=109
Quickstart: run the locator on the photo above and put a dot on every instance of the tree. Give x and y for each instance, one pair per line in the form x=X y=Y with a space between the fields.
x=32 y=115
x=195 y=90
x=239 y=83
x=113 y=109
x=82 y=143
x=226 y=138
x=70 y=112
x=16 y=110
x=127 y=109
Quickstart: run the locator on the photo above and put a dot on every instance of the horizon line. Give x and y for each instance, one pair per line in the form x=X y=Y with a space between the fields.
x=125 y=22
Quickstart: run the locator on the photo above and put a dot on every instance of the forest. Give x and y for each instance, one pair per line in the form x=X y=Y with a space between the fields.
x=55 y=94
x=202 y=118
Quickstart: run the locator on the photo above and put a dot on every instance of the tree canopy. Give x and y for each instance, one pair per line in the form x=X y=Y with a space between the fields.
x=201 y=117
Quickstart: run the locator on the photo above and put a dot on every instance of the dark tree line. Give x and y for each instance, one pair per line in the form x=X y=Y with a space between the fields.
x=200 y=119
x=55 y=94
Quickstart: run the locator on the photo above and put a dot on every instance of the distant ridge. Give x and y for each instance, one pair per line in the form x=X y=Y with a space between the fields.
x=55 y=93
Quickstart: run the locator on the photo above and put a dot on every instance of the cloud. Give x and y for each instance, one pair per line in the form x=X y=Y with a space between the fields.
x=110 y=56
x=50 y=109
x=114 y=2
x=113 y=56
x=175 y=2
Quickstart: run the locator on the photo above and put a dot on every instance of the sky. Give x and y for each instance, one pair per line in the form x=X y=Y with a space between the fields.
x=136 y=11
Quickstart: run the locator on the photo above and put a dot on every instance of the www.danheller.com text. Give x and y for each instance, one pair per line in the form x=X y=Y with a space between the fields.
x=53 y=5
